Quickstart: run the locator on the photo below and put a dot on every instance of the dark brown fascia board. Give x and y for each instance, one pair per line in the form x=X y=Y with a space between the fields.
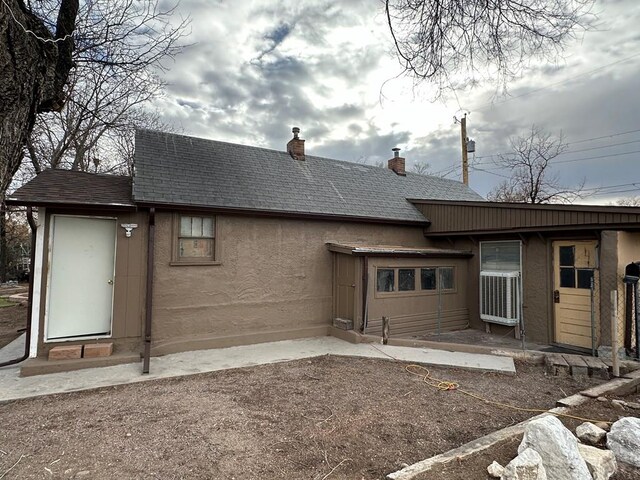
x=398 y=253
x=464 y=254
x=559 y=228
x=528 y=206
x=280 y=213
x=74 y=206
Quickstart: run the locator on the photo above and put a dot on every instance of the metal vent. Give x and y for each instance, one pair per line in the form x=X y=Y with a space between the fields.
x=500 y=297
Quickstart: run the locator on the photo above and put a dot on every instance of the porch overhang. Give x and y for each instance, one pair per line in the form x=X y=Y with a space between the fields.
x=456 y=218
x=358 y=250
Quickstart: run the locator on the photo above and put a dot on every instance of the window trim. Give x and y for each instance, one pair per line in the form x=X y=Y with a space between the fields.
x=175 y=242
x=418 y=291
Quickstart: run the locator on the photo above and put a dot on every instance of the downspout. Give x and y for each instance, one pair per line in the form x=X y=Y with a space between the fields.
x=32 y=256
x=149 y=303
x=365 y=286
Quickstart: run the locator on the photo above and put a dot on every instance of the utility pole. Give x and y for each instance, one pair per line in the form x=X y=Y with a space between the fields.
x=465 y=161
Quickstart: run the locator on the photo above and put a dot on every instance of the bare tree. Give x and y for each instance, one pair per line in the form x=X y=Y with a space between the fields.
x=122 y=45
x=421 y=168
x=117 y=47
x=436 y=39
x=629 y=202
x=532 y=180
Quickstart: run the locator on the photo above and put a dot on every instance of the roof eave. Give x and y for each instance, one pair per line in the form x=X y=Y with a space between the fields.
x=70 y=205
x=283 y=213
x=391 y=252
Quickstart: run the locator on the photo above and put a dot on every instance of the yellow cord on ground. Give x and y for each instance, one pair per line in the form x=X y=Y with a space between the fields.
x=447 y=385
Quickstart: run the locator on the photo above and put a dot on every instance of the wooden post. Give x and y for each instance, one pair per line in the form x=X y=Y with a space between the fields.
x=465 y=161
x=385 y=330
x=614 y=333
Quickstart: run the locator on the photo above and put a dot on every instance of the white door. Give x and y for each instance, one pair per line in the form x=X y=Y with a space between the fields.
x=81 y=274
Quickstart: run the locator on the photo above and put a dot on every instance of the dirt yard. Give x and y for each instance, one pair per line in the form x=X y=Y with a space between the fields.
x=12 y=318
x=326 y=418
x=475 y=466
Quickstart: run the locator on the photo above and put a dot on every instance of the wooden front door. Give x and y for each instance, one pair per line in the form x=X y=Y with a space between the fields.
x=574 y=266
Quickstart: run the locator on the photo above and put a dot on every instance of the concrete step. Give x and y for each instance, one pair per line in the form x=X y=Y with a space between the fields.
x=40 y=366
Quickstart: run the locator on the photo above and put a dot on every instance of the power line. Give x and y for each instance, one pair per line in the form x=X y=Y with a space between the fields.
x=473 y=167
x=482 y=107
x=571 y=160
x=26 y=30
x=605 y=136
x=615 y=191
x=579 y=141
x=606 y=187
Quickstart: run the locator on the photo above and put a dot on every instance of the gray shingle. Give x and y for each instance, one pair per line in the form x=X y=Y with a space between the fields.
x=180 y=170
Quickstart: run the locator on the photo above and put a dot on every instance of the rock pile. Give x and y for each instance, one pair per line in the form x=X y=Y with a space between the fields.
x=549 y=451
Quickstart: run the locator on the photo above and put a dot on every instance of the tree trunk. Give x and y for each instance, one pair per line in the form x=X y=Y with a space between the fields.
x=34 y=67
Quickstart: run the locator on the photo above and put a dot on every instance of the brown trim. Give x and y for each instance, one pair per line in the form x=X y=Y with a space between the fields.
x=149 y=299
x=279 y=213
x=538 y=229
x=365 y=287
x=413 y=254
x=65 y=205
x=390 y=252
x=529 y=206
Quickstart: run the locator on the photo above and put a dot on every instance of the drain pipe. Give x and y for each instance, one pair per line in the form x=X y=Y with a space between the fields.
x=32 y=257
x=149 y=303
x=365 y=285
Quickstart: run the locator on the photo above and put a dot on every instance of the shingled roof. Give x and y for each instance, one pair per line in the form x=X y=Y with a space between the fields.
x=179 y=170
x=64 y=187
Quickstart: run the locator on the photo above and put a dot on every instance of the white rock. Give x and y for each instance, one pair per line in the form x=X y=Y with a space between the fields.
x=526 y=466
x=495 y=470
x=557 y=447
x=624 y=440
x=590 y=434
x=601 y=463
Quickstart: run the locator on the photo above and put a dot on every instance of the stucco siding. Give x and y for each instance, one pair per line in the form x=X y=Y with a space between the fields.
x=274 y=277
x=537 y=290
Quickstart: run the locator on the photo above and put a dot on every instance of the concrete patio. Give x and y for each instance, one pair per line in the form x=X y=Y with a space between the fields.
x=13 y=387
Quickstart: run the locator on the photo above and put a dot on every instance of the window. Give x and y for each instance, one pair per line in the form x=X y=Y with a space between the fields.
x=575 y=271
x=446 y=278
x=500 y=282
x=428 y=278
x=403 y=280
x=500 y=256
x=385 y=280
x=406 y=279
x=195 y=242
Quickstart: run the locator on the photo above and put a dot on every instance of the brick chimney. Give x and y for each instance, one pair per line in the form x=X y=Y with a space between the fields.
x=295 y=147
x=397 y=162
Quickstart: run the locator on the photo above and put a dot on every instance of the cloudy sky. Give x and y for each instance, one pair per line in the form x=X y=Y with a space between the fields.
x=257 y=68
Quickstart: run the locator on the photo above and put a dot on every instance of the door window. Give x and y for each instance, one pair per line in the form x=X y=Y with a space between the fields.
x=576 y=266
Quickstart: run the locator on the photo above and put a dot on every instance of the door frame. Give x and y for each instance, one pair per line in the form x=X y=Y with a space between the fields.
x=596 y=273
x=50 y=246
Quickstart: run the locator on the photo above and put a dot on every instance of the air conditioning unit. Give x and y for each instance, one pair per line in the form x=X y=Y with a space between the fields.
x=500 y=297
